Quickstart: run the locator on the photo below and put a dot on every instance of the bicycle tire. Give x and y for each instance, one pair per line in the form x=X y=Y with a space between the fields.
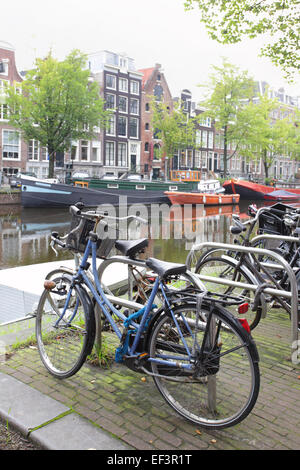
x=224 y=267
x=193 y=396
x=63 y=349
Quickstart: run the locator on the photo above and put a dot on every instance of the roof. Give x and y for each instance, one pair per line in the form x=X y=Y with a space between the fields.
x=146 y=75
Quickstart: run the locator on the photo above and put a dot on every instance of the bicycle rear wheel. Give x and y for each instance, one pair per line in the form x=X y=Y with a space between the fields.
x=223 y=386
x=64 y=340
x=221 y=267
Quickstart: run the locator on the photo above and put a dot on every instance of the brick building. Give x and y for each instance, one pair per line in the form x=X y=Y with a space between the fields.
x=154 y=84
x=13 y=151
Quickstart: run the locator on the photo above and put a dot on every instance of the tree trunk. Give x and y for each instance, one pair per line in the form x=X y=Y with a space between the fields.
x=265 y=162
x=225 y=152
x=51 y=164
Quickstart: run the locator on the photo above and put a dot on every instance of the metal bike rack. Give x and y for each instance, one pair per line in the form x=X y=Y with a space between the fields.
x=292 y=294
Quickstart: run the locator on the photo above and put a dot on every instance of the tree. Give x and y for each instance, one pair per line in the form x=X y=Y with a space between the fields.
x=176 y=129
x=58 y=103
x=228 y=92
x=229 y=21
x=272 y=137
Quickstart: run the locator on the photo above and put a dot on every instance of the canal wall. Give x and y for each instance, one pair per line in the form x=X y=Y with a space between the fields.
x=8 y=197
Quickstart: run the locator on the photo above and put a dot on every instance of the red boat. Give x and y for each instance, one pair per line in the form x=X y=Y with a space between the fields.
x=254 y=191
x=202 y=198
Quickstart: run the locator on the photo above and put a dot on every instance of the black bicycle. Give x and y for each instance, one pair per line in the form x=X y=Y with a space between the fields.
x=244 y=268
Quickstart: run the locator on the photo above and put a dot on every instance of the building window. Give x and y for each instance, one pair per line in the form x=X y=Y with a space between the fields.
x=206 y=122
x=146 y=147
x=110 y=81
x=3 y=68
x=122 y=104
x=204 y=160
x=204 y=139
x=11 y=145
x=147 y=126
x=134 y=87
x=147 y=107
x=210 y=140
x=110 y=101
x=33 y=150
x=110 y=153
x=84 y=147
x=123 y=63
x=95 y=156
x=133 y=127
x=74 y=154
x=134 y=106
x=10 y=171
x=197 y=159
x=4 y=84
x=44 y=153
x=122 y=154
x=4 y=113
x=111 y=128
x=122 y=126
x=123 y=84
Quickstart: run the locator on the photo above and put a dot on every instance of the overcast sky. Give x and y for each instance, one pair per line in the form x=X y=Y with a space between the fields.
x=150 y=31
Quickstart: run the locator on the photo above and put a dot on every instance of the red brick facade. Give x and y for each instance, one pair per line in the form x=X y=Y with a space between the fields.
x=14 y=161
x=153 y=83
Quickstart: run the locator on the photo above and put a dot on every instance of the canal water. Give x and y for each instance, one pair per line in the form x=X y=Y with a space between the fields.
x=25 y=233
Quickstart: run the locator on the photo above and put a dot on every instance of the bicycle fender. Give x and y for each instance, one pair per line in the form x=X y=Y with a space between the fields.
x=263 y=303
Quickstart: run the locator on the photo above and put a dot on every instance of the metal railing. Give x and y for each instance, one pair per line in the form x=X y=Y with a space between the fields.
x=292 y=294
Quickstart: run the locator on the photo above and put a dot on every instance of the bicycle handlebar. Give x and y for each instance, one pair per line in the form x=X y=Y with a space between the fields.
x=76 y=211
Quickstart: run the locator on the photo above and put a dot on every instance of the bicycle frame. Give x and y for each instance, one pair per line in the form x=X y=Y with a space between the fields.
x=105 y=304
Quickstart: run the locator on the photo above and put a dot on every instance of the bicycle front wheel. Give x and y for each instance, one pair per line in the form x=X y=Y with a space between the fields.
x=65 y=328
x=222 y=386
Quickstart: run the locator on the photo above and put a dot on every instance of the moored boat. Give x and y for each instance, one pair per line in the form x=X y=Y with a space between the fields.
x=41 y=193
x=255 y=191
x=207 y=199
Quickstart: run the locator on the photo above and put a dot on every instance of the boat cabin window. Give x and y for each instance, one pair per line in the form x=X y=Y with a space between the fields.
x=140 y=186
x=173 y=188
x=112 y=186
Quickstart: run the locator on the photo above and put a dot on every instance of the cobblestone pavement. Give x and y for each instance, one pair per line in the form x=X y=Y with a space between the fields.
x=130 y=407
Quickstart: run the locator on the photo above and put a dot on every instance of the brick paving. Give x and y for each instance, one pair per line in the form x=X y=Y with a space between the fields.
x=122 y=403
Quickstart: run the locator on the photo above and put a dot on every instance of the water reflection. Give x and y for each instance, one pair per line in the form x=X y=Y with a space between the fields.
x=25 y=233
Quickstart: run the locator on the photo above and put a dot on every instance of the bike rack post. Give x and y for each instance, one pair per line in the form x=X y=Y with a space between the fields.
x=292 y=294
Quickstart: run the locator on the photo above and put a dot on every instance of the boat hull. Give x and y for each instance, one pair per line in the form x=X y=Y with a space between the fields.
x=202 y=198
x=38 y=194
x=254 y=191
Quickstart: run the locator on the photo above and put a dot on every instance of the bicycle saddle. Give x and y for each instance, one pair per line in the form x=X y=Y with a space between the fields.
x=165 y=269
x=131 y=247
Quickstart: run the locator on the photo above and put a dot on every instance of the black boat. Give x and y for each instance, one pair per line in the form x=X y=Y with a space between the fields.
x=36 y=193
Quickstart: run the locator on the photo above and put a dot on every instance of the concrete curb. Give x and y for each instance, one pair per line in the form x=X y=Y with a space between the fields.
x=49 y=423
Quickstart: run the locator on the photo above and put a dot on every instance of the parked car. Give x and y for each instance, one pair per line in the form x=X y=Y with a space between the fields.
x=15 y=180
x=80 y=175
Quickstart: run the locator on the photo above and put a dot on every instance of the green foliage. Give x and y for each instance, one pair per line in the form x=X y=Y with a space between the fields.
x=229 y=21
x=269 y=137
x=228 y=92
x=58 y=104
x=174 y=127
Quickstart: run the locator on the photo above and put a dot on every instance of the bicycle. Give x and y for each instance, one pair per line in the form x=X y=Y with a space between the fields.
x=258 y=270
x=202 y=360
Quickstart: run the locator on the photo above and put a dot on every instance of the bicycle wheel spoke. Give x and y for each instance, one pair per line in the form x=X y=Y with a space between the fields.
x=63 y=340
x=220 y=387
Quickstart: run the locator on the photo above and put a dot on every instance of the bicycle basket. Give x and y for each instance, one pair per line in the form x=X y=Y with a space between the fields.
x=77 y=241
x=272 y=224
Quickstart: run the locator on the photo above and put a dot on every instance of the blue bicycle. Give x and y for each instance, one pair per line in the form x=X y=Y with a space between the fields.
x=202 y=359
